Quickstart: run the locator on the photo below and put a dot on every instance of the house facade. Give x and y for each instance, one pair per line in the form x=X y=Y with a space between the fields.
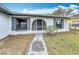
x=17 y=23
x=74 y=22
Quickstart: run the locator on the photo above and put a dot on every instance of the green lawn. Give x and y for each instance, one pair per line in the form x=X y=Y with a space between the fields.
x=62 y=43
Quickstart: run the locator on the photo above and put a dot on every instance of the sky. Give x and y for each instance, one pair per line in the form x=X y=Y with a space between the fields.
x=40 y=8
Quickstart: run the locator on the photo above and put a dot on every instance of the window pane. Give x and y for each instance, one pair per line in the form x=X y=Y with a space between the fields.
x=39 y=22
x=59 y=23
x=39 y=27
x=76 y=25
x=21 y=24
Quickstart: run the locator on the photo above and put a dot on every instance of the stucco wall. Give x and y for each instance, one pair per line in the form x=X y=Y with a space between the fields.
x=72 y=21
x=5 y=25
x=66 y=27
x=49 y=22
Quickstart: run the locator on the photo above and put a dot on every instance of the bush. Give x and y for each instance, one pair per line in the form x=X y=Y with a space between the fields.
x=51 y=29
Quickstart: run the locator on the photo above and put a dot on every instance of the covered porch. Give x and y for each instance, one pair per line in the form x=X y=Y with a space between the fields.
x=25 y=25
x=29 y=25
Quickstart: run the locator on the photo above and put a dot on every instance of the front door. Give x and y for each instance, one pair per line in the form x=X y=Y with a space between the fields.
x=39 y=24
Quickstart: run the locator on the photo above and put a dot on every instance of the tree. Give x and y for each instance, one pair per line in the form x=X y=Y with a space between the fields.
x=62 y=12
x=69 y=11
x=59 y=12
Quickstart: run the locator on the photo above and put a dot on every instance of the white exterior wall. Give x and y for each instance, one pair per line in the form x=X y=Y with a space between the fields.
x=66 y=27
x=49 y=22
x=5 y=25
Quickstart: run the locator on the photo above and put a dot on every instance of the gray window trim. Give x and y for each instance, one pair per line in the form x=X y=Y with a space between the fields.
x=61 y=21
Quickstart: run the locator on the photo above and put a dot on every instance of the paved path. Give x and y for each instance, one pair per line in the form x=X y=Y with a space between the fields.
x=38 y=46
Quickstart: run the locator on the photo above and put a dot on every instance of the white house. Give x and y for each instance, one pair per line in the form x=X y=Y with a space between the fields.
x=16 y=23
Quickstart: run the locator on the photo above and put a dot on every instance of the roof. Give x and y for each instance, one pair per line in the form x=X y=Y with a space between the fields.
x=38 y=15
x=9 y=12
x=76 y=16
x=5 y=10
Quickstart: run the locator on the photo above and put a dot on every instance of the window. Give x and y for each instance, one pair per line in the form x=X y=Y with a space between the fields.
x=21 y=24
x=39 y=24
x=76 y=24
x=58 y=23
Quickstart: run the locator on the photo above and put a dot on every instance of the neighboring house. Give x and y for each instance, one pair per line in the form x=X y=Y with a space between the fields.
x=74 y=22
x=16 y=23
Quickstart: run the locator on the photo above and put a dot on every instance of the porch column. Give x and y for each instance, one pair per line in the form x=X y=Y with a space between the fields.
x=13 y=23
x=42 y=24
x=28 y=24
x=31 y=24
x=36 y=24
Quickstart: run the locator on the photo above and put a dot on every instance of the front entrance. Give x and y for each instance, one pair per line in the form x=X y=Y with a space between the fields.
x=39 y=24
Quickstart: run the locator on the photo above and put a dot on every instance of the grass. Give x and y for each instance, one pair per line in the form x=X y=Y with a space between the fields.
x=62 y=43
x=15 y=45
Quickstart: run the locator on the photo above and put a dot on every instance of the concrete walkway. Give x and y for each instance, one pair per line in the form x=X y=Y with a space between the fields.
x=38 y=46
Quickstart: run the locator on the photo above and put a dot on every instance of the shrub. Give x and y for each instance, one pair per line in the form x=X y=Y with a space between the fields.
x=51 y=29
